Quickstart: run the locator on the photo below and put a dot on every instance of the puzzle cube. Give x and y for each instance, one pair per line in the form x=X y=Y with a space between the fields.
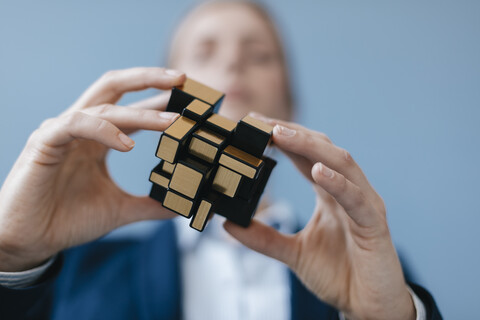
x=209 y=163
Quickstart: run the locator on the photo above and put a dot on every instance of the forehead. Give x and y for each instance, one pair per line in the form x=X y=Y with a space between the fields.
x=233 y=22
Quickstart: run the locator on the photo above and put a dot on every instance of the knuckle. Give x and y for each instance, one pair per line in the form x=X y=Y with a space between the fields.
x=101 y=125
x=358 y=199
x=73 y=118
x=109 y=76
x=109 y=79
x=34 y=137
x=310 y=142
x=141 y=113
x=47 y=123
x=346 y=157
x=323 y=136
x=103 y=109
x=380 y=203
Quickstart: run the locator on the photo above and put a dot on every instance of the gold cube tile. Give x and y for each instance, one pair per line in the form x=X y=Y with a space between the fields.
x=201 y=91
x=168 y=167
x=159 y=179
x=258 y=124
x=178 y=203
x=167 y=149
x=226 y=181
x=202 y=149
x=222 y=122
x=198 y=107
x=211 y=136
x=201 y=216
x=186 y=180
x=240 y=161
x=180 y=127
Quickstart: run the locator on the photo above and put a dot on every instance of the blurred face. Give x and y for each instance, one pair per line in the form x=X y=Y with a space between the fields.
x=232 y=49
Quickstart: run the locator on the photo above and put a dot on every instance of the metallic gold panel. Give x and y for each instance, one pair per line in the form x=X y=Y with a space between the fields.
x=202 y=150
x=180 y=127
x=168 y=167
x=167 y=149
x=223 y=122
x=200 y=218
x=258 y=124
x=226 y=181
x=198 y=107
x=159 y=179
x=238 y=166
x=201 y=91
x=178 y=203
x=211 y=136
x=185 y=180
x=243 y=156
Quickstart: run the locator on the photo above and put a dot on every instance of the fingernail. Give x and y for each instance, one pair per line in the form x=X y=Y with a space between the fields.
x=129 y=143
x=327 y=172
x=172 y=72
x=283 y=131
x=168 y=115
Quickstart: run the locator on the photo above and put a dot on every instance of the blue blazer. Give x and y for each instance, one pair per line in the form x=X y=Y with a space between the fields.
x=133 y=279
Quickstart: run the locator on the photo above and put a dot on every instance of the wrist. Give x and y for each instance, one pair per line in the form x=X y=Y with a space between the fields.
x=14 y=259
x=401 y=307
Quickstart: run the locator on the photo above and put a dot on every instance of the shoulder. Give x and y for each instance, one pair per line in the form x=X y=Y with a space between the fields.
x=120 y=247
x=121 y=268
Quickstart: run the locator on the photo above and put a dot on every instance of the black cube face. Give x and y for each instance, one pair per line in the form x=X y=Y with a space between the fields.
x=239 y=210
x=252 y=136
x=182 y=96
x=158 y=193
x=210 y=164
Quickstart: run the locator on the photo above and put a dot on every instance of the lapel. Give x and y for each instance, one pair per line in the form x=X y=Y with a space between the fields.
x=160 y=268
x=159 y=276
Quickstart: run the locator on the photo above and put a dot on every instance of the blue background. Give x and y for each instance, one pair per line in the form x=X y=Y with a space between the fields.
x=395 y=83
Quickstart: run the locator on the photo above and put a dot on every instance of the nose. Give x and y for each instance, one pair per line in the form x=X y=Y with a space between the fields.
x=233 y=60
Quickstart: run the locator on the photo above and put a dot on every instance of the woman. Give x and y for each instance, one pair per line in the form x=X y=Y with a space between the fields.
x=59 y=195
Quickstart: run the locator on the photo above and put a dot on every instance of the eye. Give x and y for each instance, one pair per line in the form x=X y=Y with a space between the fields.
x=201 y=56
x=204 y=52
x=260 y=56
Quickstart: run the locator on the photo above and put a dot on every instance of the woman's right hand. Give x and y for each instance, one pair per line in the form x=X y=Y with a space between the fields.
x=59 y=193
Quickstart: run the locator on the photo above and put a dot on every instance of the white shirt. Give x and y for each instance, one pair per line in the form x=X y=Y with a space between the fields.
x=222 y=279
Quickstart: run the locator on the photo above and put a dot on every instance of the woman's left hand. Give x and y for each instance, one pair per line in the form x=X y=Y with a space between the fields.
x=344 y=255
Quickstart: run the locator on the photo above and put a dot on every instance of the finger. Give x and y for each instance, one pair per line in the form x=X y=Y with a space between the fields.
x=133 y=119
x=78 y=125
x=113 y=84
x=143 y=208
x=318 y=150
x=305 y=167
x=348 y=195
x=273 y=122
x=266 y=240
x=303 y=164
x=158 y=102
x=315 y=146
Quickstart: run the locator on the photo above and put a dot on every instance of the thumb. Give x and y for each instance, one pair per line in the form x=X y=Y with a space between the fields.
x=266 y=240
x=143 y=208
